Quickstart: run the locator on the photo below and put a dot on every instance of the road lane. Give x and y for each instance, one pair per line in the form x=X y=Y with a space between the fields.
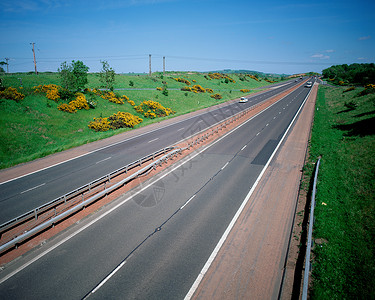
x=160 y=247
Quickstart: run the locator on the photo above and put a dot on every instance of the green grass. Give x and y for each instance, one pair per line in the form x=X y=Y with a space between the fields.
x=34 y=127
x=344 y=263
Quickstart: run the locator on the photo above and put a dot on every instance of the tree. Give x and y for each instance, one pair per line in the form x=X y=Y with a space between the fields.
x=107 y=76
x=73 y=76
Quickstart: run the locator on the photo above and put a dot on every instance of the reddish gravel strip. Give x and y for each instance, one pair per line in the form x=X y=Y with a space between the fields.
x=250 y=264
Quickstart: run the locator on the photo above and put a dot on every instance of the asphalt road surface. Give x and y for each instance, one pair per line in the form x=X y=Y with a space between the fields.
x=28 y=192
x=152 y=242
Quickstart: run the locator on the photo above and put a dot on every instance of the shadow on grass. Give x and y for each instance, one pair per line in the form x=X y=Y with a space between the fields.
x=361 y=128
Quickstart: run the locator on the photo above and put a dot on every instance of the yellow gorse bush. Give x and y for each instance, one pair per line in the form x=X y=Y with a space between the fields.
x=115 y=121
x=216 y=96
x=252 y=77
x=99 y=124
x=79 y=102
x=152 y=109
x=110 y=96
x=245 y=90
x=183 y=80
x=195 y=89
x=51 y=90
x=220 y=76
x=12 y=94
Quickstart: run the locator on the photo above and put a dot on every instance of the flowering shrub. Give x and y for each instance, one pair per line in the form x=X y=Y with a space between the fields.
x=369 y=89
x=195 y=88
x=131 y=102
x=79 y=102
x=220 y=76
x=152 y=109
x=110 y=96
x=252 y=77
x=159 y=89
x=209 y=90
x=117 y=120
x=245 y=90
x=99 y=124
x=187 y=82
x=216 y=96
x=52 y=91
x=349 y=89
x=123 y=119
x=12 y=94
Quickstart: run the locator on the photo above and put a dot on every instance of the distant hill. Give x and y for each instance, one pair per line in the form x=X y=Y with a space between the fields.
x=251 y=72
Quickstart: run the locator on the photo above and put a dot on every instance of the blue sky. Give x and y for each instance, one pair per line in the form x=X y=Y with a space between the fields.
x=269 y=36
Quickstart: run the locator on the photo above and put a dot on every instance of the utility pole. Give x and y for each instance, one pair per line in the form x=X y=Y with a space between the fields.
x=149 y=65
x=163 y=65
x=7 y=59
x=36 y=72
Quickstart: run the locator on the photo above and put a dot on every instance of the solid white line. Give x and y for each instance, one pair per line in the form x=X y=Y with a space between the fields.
x=129 y=198
x=33 y=188
x=239 y=211
x=225 y=165
x=153 y=140
x=243 y=147
x=103 y=160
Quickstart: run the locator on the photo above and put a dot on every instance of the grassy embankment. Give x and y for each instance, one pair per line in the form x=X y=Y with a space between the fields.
x=344 y=230
x=34 y=127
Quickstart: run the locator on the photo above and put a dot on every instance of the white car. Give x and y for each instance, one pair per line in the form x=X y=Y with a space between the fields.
x=243 y=100
x=309 y=84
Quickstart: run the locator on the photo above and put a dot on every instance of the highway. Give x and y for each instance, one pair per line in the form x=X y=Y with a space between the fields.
x=152 y=242
x=28 y=192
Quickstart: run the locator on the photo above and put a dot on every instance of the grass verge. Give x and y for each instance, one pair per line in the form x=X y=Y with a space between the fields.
x=34 y=127
x=344 y=228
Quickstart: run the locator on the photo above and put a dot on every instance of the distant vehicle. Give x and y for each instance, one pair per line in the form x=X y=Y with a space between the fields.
x=243 y=100
x=308 y=84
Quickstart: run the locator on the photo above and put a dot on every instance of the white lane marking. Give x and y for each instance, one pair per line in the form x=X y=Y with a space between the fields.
x=186 y=203
x=274 y=118
x=267 y=124
x=109 y=277
x=279 y=112
x=243 y=147
x=205 y=268
x=225 y=165
x=153 y=140
x=33 y=188
x=98 y=162
x=181 y=129
x=258 y=133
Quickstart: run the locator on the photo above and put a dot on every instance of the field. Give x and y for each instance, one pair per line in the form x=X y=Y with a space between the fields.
x=34 y=127
x=344 y=229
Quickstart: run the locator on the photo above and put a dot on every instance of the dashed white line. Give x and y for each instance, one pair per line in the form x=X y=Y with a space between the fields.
x=267 y=124
x=103 y=160
x=243 y=147
x=153 y=140
x=223 y=167
x=186 y=203
x=181 y=129
x=33 y=188
x=258 y=133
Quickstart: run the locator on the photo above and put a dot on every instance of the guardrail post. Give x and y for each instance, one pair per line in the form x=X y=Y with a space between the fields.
x=35 y=214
